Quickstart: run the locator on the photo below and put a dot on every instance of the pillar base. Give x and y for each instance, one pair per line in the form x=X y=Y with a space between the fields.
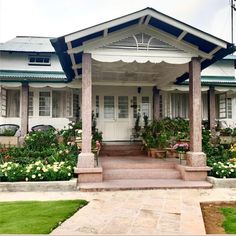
x=89 y=175
x=196 y=159
x=86 y=160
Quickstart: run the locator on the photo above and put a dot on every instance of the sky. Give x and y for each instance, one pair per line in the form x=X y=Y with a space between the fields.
x=55 y=18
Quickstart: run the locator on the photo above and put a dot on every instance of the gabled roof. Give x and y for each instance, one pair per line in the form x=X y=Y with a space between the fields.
x=28 y=44
x=211 y=47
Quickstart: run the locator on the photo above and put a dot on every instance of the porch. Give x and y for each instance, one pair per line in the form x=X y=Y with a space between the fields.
x=134 y=170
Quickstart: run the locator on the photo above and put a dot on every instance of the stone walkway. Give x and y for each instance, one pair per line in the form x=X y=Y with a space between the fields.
x=172 y=211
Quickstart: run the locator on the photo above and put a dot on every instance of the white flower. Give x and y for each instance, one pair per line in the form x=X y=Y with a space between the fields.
x=8 y=168
x=80 y=131
x=38 y=168
x=60 y=152
x=39 y=175
x=33 y=176
x=66 y=151
x=69 y=174
x=26 y=179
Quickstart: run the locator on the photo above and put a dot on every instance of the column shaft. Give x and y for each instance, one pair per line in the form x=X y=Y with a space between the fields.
x=24 y=108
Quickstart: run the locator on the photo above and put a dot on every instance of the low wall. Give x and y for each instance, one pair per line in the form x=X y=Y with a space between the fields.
x=9 y=140
x=41 y=186
x=222 y=183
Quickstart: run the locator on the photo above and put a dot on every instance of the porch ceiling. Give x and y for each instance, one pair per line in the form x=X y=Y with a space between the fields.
x=209 y=48
x=149 y=74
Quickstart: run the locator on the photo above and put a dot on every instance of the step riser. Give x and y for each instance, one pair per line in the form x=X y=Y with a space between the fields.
x=140 y=174
x=121 y=153
x=111 y=165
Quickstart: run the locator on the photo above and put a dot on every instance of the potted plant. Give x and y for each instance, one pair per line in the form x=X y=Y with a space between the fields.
x=162 y=141
x=181 y=148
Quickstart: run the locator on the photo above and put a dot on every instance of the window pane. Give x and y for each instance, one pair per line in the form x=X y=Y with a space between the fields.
x=31 y=102
x=97 y=106
x=3 y=102
x=44 y=103
x=145 y=106
x=76 y=108
x=135 y=107
x=123 y=107
x=109 y=104
x=229 y=108
x=222 y=106
x=179 y=105
x=13 y=103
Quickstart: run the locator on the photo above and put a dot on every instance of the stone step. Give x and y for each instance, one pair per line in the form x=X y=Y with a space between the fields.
x=121 y=147
x=143 y=184
x=128 y=174
x=112 y=153
x=137 y=162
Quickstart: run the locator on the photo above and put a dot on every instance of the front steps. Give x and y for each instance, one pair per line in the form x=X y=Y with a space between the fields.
x=121 y=149
x=123 y=171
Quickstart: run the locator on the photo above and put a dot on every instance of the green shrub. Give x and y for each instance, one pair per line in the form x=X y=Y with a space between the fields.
x=224 y=170
x=40 y=140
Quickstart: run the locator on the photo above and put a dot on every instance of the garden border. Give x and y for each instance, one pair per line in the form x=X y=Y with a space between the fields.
x=222 y=183
x=39 y=186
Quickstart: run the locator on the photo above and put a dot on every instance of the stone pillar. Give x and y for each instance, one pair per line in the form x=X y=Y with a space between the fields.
x=196 y=168
x=211 y=108
x=24 y=108
x=156 y=103
x=86 y=157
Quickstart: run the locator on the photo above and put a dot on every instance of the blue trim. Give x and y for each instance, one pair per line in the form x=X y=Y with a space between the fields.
x=124 y=25
x=165 y=27
x=202 y=44
x=61 y=51
x=217 y=56
x=79 y=42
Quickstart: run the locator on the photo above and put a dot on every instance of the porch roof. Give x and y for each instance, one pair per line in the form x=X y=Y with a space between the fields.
x=70 y=48
x=31 y=76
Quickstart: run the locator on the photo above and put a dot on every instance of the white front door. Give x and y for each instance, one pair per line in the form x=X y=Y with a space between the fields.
x=116 y=118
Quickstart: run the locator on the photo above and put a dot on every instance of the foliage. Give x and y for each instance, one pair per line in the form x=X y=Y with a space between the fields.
x=145 y=120
x=224 y=170
x=8 y=132
x=229 y=223
x=38 y=171
x=33 y=217
x=70 y=132
x=40 y=140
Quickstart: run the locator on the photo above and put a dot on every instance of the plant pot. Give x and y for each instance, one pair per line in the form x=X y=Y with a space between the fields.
x=153 y=152
x=182 y=155
x=160 y=153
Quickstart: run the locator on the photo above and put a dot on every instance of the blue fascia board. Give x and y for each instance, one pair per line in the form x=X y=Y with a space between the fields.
x=165 y=27
x=217 y=56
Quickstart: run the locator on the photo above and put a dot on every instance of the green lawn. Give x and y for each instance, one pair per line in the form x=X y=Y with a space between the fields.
x=35 y=217
x=230 y=220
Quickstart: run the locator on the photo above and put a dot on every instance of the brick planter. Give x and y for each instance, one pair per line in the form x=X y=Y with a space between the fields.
x=222 y=183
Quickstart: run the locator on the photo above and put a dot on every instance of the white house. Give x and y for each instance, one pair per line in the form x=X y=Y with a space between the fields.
x=140 y=62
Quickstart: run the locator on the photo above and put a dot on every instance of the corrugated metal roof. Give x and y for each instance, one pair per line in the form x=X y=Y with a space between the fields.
x=28 y=44
x=36 y=76
x=216 y=80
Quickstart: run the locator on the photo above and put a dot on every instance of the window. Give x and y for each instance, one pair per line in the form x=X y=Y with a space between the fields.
x=145 y=106
x=97 y=106
x=3 y=102
x=225 y=106
x=13 y=103
x=39 y=61
x=109 y=104
x=31 y=104
x=44 y=103
x=229 y=108
x=76 y=107
x=58 y=104
x=135 y=107
x=123 y=107
x=161 y=106
x=179 y=105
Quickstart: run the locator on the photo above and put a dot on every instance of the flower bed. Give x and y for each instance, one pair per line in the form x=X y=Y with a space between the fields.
x=37 y=171
x=224 y=170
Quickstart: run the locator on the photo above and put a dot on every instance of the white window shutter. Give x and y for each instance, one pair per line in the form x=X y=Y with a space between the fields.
x=3 y=102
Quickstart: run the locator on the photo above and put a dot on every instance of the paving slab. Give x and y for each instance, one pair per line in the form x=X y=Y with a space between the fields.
x=138 y=212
